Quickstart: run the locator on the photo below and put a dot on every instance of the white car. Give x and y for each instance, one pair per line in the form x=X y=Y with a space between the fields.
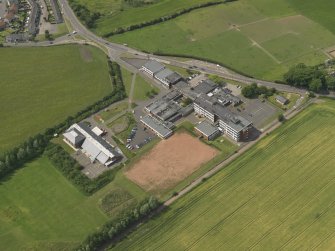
x=74 y=32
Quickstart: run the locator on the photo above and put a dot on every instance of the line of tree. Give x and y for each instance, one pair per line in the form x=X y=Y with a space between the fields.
x=71 y=170
x=253 y=91
x=15 y=158
x=139 y=3
x=132 y=27
x=33 y=147
x=313 y=78
x=116 y=227
x=84 y=14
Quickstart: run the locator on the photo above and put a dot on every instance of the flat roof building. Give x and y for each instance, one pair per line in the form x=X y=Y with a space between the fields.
x=152 y=67
x=233 y=125
x=166 y=108
x=167 y=77
x=156 y=126
x=207 y=130
x=205 y=86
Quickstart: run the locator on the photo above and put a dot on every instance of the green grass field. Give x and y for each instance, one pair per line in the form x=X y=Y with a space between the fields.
x=141 y=87
x=41 y=210
x=40 y=87
x=258 y=37
x=279 y=195
x=118 y=14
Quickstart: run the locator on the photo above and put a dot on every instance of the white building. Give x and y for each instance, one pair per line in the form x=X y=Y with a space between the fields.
x=82 y=137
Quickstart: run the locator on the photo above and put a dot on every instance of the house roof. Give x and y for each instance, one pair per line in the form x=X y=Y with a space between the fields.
x=206 y=128
x=154 y=66
x=281 y=99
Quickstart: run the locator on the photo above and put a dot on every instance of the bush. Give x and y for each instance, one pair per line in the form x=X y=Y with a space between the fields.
x=281 y=118
x=25 y=152
x=70 y=168
x=253 y=91
x=84 y=14
x=115 y=227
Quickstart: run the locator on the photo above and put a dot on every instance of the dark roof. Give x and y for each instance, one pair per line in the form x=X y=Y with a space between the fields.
x=17 y=37
x=173 y=78
x=205 y=86
x=56 y=11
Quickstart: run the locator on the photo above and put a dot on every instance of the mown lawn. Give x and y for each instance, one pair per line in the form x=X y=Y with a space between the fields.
x=143 y=88
x=260 y=38
x=278 y=195
x=41 y=210
x=40 y=87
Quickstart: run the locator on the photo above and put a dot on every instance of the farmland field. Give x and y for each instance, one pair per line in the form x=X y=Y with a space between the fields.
x=41 y=210
x=42 y=86
x=278 y=195
x=258 y=37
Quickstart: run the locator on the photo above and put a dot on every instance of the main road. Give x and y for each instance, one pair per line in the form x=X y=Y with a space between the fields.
x=116 y=50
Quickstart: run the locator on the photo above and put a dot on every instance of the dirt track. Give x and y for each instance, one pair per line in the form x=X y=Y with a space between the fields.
x=170 y=161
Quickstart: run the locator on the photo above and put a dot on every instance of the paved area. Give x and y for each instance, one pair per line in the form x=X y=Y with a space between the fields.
x=91 y=170
x=256 y=111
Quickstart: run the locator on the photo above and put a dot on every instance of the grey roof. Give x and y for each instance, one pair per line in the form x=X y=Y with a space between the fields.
x=184 y=88
x=57 y=12
x=173 y=78
x=19 y=37
x=206 y=128
x=205 y=102
x=34 y=17
x=211 y=105
x=74 y=136
x=164 y=73
x=154 y=66
x=205 y=86
x=157 y=126
x=281 y=99
x=238 y=123
x=226 y=98
x=165 y=107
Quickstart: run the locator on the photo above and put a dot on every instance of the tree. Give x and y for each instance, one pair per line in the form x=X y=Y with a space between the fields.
x=330 y=82
x=299 y=75
x=315 y=85
x=281 y=118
